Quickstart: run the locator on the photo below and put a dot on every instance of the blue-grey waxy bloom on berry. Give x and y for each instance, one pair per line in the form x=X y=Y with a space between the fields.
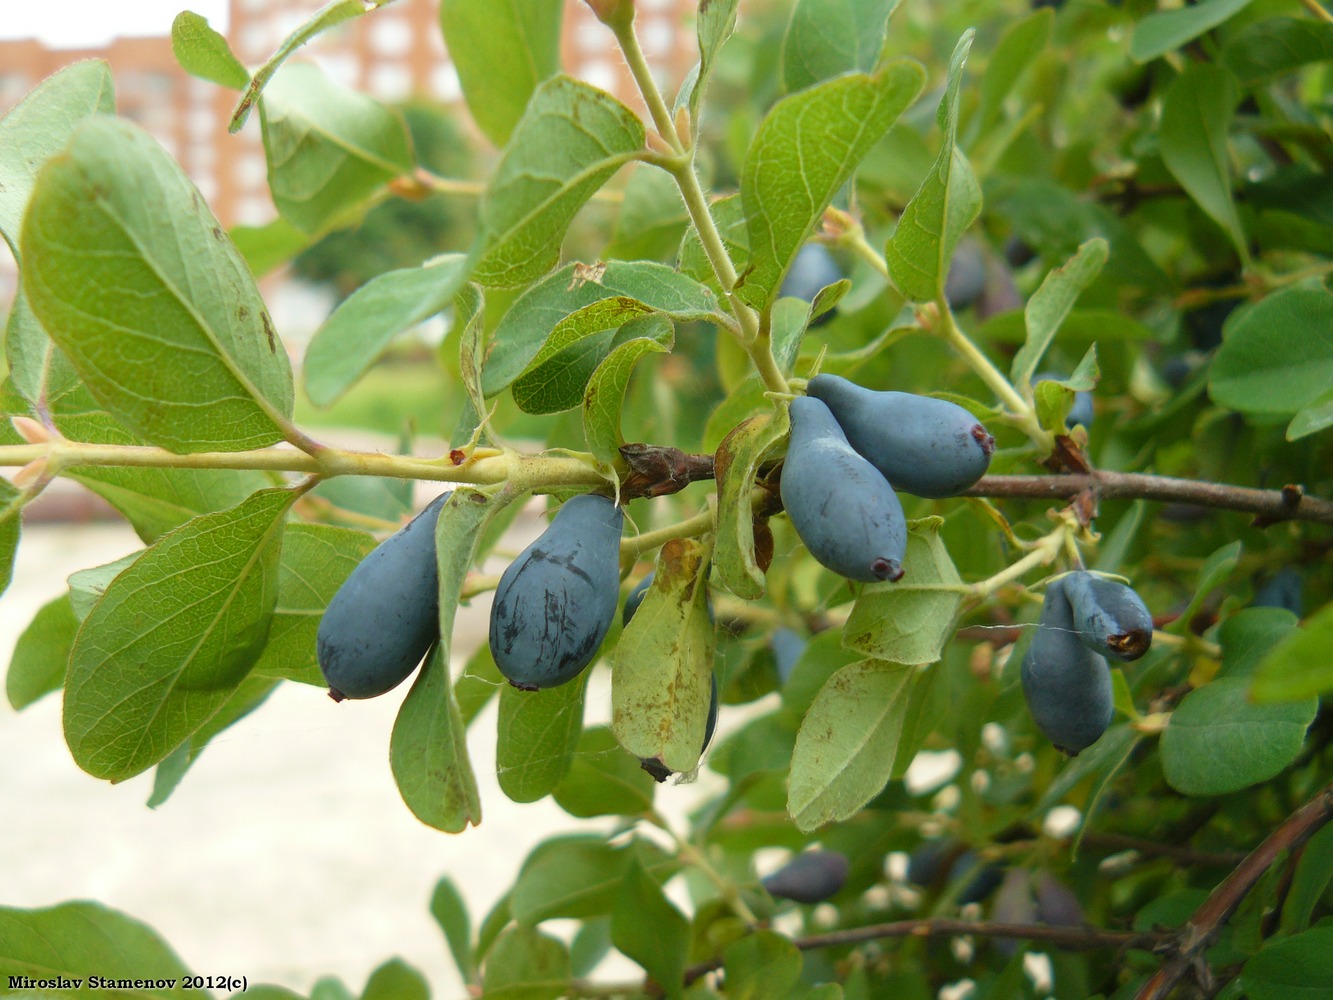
x=923 y=446
x=385 y=616
x=844 y=510
x=556 y=601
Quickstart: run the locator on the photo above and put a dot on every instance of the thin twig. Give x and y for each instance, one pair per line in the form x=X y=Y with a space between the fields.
x=1066 y=938
x=1194 y=938
x=1286 y=504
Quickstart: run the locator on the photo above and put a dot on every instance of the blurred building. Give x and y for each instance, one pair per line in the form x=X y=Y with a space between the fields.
x=394 y=53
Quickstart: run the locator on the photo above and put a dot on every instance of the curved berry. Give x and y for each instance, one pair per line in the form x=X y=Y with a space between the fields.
x=1066 y=685
x=844 y=510
x=923 y=446
x=811 y=877
x=386 y=614
x=1110 y=617
x=556 y=601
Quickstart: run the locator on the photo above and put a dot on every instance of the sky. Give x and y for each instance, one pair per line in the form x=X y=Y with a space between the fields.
x=83 y=23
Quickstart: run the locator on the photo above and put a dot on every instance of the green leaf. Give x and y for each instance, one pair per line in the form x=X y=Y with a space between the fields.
x=329 y=148
x=330 y=15
x=1160 y=32
x=350 y=340
x=559 y=374
x=1101 y=762
x=604 y=780
x=428 y=752
x=502 y=51
x=316 y=559
x=1276 y=359
x=1298 y=667
x=1196 y=112
x=41 y=654
x=480 y=681
x=949 y=199
x=37 y=368
x=396 y=980
x=578 y=876
x=35 y=129
x=377 y=497
x=761 y=966
x=204 y=53
x=847 y=743
x=428 y=747
x=1248 y=635
x=1297 y=966
x=163 y=323
x=1015 y=53
x=86 y=586
x=72 y=940
x=737 y=461
x=1216 y=569
x=1314 y=871
x=173 y=635
x=245 y=698
x=605 y=392
x=268 y=246
x=1218 y=741
x=652 y=217
x=470 y=319
x=525 y=964
x=10 y=507
x=1312 y=418
x=450 y=912
x=1269 y=48
x=542 y=311
x=911 y=620
x=1051 y=303
x=807 y=146
x=828 y=37
x=538 y=732
x=153 y=500
x=39 y=126
x=714 y=24
x=663 y=663
x=648 y=929
x=569 y=142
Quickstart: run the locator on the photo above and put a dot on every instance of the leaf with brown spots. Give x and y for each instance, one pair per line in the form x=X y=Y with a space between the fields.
x=664 y=661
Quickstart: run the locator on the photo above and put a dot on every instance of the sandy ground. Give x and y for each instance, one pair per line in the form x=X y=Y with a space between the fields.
x=286 y=854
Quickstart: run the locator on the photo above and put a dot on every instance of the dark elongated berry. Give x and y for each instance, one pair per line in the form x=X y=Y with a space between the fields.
x=1056 y=903
x=1013 y=905
x=1081 y=412
x=1281 y=590
x=926 y=447
x=984 y=880
x=844 y=510
x=788 y=646
x=812 y=270
x=811 y=877
x=556 y=601
x=1067 y=686
x=634 y=598
x=385 y=616
x=1110 y=617
x=967 y=275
